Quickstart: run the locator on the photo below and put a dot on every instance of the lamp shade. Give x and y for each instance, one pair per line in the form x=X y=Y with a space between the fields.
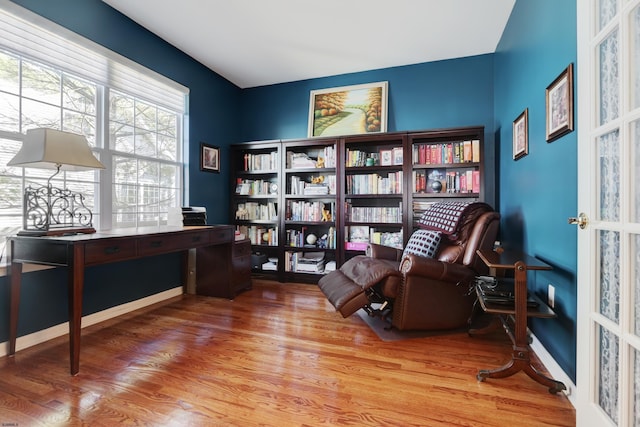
x=46 y=148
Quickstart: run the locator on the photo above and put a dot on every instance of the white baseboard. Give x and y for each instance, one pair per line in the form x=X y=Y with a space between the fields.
x=38 y=337
x=554 y=369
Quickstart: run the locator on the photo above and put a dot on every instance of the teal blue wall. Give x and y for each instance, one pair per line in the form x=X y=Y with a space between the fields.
x=538 y=192
x=457 y=92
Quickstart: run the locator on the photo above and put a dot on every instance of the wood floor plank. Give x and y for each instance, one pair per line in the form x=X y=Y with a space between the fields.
x=277 y=355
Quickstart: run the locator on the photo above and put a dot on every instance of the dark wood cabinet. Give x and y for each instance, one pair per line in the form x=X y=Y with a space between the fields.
x=211 y=270
x=240 y=266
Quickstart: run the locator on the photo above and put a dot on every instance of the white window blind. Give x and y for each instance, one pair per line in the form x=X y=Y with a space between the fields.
x=31 y=35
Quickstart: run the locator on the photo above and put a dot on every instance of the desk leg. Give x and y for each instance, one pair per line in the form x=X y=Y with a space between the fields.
x=75 y=289
x=520 y=357
x=15 y=278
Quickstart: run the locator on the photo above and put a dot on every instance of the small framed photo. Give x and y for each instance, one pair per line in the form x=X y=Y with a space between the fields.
x=521 y=135
x=397 y=155
x=209 y=158
x=559 y=103
x=386 y=158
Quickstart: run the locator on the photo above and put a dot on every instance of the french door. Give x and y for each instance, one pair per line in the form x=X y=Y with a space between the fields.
x=608 y=76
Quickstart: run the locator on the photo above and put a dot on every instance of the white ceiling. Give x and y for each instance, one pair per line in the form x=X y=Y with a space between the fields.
x=260 y=42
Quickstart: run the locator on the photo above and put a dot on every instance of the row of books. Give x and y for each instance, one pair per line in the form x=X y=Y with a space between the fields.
x=259 y=235
x=461 y=181
x=326 y=185
x=329 y=156
x=309 y=211
x=379 y=214
x=452 y=152
x=384 y=157
x=261 y=162
x=375 y=183
x=254 y=211
x=355 y=158
x=258 y=187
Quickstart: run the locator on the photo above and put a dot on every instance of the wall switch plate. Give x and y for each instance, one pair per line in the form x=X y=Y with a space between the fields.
x=551 y=296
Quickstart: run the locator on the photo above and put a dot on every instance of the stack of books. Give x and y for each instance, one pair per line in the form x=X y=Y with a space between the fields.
x=300 y=161
x=315 y=189
x=311 y=262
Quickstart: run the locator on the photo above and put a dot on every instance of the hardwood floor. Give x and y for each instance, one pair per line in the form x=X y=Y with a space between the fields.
x=277 y=355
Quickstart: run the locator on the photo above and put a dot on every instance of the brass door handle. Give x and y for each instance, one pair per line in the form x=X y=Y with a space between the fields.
x=581 y=221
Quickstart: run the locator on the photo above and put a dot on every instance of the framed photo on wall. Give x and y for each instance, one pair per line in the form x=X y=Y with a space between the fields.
x=348 y=110
x=209 y=158
x=559 y=103
x=521 y=135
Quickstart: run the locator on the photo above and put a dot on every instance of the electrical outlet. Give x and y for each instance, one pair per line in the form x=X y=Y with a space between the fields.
x=551 y=296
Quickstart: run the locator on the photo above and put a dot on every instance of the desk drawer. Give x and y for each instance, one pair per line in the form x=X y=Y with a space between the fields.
x=221 y=235
x=109 y=251
x=165 y=243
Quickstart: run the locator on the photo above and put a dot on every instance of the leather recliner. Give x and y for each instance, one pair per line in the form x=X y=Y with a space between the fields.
x=416 y=292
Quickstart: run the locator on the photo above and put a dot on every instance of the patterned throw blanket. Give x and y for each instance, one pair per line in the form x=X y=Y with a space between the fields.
x=445 y=216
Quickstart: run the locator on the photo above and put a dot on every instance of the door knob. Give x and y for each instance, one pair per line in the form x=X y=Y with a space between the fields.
x=581 y=221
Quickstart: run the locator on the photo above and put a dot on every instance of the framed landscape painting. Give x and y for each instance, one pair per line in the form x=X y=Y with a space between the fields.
x=348 y=110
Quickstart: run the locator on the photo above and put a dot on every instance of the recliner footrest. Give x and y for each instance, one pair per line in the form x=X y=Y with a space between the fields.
x=346 y=288
x=343 y=293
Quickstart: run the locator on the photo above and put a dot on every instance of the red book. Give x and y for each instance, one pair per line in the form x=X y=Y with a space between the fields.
x=476 y=181
x=463 y=183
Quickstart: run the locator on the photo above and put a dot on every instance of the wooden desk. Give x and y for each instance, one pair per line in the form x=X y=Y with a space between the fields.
x=83 y=250
x=520 y=358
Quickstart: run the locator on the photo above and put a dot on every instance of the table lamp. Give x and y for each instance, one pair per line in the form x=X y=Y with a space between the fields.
x=49 y=210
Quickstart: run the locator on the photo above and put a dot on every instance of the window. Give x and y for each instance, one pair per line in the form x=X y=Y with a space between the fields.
x=132 y=118
x=146 y=172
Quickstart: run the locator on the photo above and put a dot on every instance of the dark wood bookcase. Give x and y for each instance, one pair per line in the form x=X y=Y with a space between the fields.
x=300 y=200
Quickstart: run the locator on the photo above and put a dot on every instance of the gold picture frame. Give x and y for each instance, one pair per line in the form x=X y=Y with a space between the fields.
x=348 y=110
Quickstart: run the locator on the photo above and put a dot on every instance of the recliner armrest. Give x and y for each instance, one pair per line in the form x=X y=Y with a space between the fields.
x=384 y=252
x=413 y=265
